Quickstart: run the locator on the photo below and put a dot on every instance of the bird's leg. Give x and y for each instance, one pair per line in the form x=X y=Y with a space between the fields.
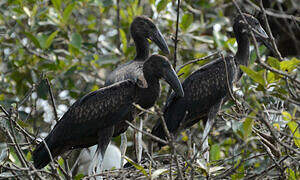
x=209 y=123
x=139 y=141
x=95 y=161
x=123 y=147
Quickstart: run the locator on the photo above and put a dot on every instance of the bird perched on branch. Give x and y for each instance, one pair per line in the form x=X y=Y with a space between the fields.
x=207 y=87
x=91 y=119
x=142 y=28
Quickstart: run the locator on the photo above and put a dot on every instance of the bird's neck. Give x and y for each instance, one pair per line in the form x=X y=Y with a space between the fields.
x=242 y=54
x=150 y=77
x=150 y=74
x=141 y=46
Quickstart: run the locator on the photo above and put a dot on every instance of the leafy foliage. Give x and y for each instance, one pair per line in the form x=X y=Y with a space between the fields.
x=68 y=47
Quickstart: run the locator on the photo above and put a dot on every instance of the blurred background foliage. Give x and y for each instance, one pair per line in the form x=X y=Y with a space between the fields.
x=70 y=46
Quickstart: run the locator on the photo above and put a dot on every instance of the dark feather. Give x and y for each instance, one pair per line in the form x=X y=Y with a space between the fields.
x=79 y=126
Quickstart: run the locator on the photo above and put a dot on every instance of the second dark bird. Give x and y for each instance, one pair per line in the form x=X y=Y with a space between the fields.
x=206 y=88
x=91 y=119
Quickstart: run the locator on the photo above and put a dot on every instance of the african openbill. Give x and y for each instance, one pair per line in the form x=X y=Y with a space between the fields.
x=91 y=119
x=207 y=87
x=142 y=28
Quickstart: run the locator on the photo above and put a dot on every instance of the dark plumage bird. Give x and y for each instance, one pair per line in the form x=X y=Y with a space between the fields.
x=206 y=88
x=142 y=28
x=91 y=119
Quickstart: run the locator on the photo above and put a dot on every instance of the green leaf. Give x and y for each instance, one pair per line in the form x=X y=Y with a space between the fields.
x=50 y=39
x=22 y=124
x=61 y=162
x=123 y=40
x=290 y=174
x=162 y=5
x=2 y=97
x=137 y=166
x=290 y=64
x=256 y=76
x=76 y=40
x=271 y=77
x=293 y=127
x=215 y=152
x=33 y=39
x=240 y=171
x=185 y=137
x=275 y=63
x=79 y=177
x=151 y=1
x=230 y=45
x=56 y=4
x=28 y=156
x=42 y=40
x=67 y=12
x=186 y=21
x=286 y=116
x=295 y=132
x=247 y=126
x=158 y=172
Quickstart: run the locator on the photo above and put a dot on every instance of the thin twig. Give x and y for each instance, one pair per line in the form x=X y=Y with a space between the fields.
x=142 y=109
x=171 y=142
x=4 y=111
x=266 y=170
x=197 y=60
x=118 y=26
x=229 y=87
x=17 y=148
x=269 y=30
x=52 y=100
x=274 y=14
x=176 y=34
x=147 y=134
x=21 y=102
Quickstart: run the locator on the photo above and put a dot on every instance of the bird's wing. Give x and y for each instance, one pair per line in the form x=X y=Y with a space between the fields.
x=132 y=70
x=93 y=112
x=202 y=89
x=209 y=81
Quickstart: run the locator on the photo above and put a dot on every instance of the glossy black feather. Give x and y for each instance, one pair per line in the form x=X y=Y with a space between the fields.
x=80 y=125
x=208 y=86
x=203 y=89
x=142 y=28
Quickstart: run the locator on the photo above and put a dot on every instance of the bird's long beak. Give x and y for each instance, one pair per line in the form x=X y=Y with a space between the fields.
x=160 y=41
x=262 y=36
x=172 y=79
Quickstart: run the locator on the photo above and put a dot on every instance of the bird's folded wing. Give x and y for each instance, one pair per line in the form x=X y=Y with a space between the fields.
x=97 y=110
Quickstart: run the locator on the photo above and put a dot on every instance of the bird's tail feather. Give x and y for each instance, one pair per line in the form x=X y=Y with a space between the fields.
x=41 y=156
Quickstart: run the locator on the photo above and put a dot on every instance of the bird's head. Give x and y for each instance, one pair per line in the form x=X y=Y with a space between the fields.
x=242 y=27
x=160 y=67
x=144 y=26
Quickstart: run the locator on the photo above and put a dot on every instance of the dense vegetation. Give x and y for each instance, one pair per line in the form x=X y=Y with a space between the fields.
x=52 y=52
